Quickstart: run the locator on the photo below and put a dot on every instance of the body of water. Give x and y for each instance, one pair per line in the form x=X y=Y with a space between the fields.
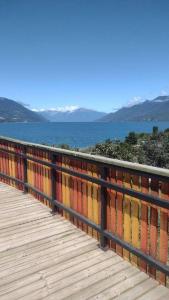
x=75 y=134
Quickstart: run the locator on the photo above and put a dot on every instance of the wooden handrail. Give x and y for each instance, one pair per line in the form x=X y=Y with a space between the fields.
x=124 y=205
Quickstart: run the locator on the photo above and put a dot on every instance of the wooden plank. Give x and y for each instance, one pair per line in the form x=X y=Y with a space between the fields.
x=60 y=252
x=48 y=251
x=18 y=293
x=57 y=267
x=163 y=247
x=153 y=226
x=113 y=217
x=92 y=260
x=67 y=187
x=25 y=218
x=29 y=238
x=84 y=196
x=96 y=200
x=46 y=263
x=74 y=264
x=158 y=293
x=134 y=279
x=34 y=224
x=79 y=192
x=85 y=279
x=38 y=294
x=127 y=215
x=67 y=277
x=38 y=231
x=29 y=249
x=106 y=283
x=139 y=290
x=119 y=204
x=144 y=234
x=75 y=192
x=135 y=222
x=24 y=263
x=90 y=199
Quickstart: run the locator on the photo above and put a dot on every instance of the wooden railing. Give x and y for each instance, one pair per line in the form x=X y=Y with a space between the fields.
x=124 y=205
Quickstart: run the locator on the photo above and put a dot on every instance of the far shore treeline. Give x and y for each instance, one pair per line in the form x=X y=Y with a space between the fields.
x=144 y=148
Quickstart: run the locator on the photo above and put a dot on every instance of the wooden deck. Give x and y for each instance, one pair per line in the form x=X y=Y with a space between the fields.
x=43 y=256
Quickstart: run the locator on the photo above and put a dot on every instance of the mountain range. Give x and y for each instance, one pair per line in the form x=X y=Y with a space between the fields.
x=149 y=110
x=12 y=111
x=71 y=115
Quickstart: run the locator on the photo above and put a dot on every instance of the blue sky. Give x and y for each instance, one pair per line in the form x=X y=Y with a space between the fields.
x=98 y=54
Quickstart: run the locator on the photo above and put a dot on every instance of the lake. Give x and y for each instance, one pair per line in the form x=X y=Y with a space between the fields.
x=75 y=134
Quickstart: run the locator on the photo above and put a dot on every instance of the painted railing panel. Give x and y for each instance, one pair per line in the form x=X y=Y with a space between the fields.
x=135 y=222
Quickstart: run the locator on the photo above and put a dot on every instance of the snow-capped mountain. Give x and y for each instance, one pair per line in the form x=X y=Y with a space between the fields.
x=70 y=114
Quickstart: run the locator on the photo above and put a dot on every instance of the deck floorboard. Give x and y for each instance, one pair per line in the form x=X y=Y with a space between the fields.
x=44 y=256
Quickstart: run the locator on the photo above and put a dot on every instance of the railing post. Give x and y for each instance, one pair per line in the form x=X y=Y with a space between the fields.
x=25 y=176
x=53 y=182
x=103 y=222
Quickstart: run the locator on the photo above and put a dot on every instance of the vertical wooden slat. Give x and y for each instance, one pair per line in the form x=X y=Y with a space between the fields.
x=25 y=170
x=79 y=192
x=144 y=222
x=43 y=176
x=135 y=218
x=64 y=186
x=103 y=208
x=164 y=217
x=108 y=201
x=41 y=173
x=59 y=182
x=71 y=183
x=67 y=164
x=46 y=179
x=16 y=164
x=53 y=183
x=75 y=192
x=90 y=199
x=95 y=200
x=84 y=196
x=119 y=204
x=13 y=164
x=113 y=218
x=49 y=177
x=127 y=216
x=20 y=168
x=153 y=226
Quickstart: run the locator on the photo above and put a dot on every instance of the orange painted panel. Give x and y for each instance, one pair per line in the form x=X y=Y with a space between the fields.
x=144 y=234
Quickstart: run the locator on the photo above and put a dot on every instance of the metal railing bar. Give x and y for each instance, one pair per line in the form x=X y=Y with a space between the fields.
x=113 y=186
x=11 y=178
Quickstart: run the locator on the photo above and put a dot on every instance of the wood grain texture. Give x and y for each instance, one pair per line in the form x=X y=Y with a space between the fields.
x=44 y=256
x=119 y=203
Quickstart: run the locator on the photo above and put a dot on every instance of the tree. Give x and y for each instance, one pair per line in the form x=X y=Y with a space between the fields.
x=155 y=131
x=166 y=130
x=65 y=146
x=131 y=138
